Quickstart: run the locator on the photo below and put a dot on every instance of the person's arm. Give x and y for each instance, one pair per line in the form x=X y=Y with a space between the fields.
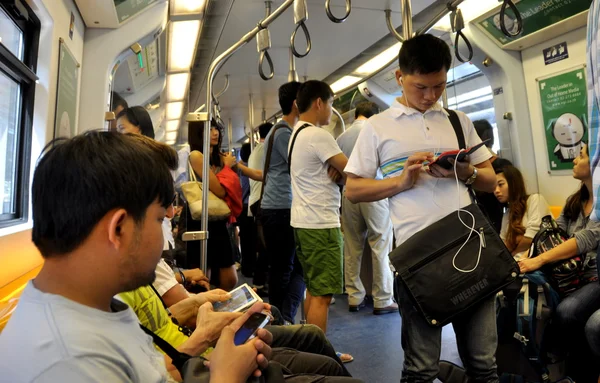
x=253 y=174
x=339 y=162
x=537 y=207
x=197 y=161
x=486 y=177
x=523 y=245
x=565 y=250
x=174 y=295
x=359 y=189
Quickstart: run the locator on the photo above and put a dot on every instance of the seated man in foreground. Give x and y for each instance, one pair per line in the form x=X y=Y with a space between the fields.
x=67 y=326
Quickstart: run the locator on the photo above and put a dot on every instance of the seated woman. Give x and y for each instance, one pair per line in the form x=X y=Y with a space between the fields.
x=575 y=310
x=221 y=262
x=522 y=212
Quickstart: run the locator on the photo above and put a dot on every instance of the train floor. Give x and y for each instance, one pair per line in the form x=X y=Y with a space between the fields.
x=373 y=340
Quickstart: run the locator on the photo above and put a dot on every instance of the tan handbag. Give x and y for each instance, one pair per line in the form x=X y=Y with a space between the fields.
x=192 y=190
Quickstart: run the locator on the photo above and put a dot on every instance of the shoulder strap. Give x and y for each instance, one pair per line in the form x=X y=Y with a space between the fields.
x=292 y=147
x=178 y=358
x=268 y=159
x=455 y=121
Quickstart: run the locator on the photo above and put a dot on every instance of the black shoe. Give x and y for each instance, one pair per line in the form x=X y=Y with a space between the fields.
x=353 y=308
x=393 y=308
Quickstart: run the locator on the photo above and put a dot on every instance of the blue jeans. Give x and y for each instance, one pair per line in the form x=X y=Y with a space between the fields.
x=570 y=322
x=592 y=333
x=476 y=338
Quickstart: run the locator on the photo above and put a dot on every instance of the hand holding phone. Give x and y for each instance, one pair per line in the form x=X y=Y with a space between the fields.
x=250 y=328
x=442 y=159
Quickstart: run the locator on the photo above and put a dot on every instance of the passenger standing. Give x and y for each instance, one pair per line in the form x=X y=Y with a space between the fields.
x=366 y=221
x=399 y=141
x=245 y=222
x=286 y=282
x=135 y=120
x=316 y=200
x=117 y=104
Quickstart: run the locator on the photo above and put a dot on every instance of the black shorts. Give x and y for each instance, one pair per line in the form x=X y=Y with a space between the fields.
x=220 y=252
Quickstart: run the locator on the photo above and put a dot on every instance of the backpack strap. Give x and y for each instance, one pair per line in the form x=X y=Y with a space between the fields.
x=292 y=146
x=178 y=358
x=460 y=135
x=268 y=159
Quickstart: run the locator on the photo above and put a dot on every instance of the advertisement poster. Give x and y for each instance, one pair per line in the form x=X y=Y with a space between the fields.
x=564 y=110
x=66 y=93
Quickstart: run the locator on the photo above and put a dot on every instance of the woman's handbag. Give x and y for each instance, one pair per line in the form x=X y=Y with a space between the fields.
x=450 y=266
x=192 y=190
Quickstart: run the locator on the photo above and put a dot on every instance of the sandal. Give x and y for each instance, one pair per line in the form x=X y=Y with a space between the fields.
x=345 y=358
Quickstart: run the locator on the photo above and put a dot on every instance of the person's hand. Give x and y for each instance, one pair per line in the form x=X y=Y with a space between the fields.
x=334 y=174
x=412 y=169
x=197 y=277
x=210 y=323
x=464 y=170
x=231 y=363
x=212 y=296
x=228 y=160
x=528 y=265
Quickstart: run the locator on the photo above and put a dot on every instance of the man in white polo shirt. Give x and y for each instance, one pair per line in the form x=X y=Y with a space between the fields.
x=316 y=199
x=400 y=142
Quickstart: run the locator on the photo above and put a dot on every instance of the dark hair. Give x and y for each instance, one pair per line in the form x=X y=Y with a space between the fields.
x=311 y=91
x=196 y=140
x=116 y=100
x=78 y=181
x=264 y=129
x=138 y=116
x=485 y=131
x=287 y=96
x=245 y=152
x=424 y=54
x=517 y=204
x=575 y=202
x=366 y=109
x=499 y=163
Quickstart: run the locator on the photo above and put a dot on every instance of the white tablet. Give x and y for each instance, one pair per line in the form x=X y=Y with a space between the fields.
x=241 y=299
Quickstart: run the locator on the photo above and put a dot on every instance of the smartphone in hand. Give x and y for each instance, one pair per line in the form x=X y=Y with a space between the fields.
x=250 y=328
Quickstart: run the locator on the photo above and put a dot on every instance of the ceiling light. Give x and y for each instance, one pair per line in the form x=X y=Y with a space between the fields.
x=183 y=36
x=171 y=136
x=177 y=86
x=379 y=61
x=172 y=126
x=471 y=9
x=186 y=7
x=174 y=110
x=343 y=83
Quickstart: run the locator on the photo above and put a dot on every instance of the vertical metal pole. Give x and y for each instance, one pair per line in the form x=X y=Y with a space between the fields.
x=407 y=29
x=292 y=75
x=229 y=135
x=251 y=117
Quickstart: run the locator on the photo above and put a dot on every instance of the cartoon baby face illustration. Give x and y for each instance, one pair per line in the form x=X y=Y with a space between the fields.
x=568 y=130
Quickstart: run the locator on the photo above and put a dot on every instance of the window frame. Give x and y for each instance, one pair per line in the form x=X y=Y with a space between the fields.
x=22 y=72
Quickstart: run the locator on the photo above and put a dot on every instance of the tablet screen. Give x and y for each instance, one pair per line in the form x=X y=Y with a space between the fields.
x=240 y=298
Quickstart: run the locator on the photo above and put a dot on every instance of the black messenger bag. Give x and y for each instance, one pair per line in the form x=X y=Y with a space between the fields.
x=442 y=283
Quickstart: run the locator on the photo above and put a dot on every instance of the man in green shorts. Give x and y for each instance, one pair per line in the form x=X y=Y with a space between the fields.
x=316 y=164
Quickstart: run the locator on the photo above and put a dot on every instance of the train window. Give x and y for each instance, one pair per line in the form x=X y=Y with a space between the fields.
x=19 y=35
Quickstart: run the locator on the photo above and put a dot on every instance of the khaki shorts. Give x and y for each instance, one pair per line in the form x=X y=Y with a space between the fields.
x=321 y=254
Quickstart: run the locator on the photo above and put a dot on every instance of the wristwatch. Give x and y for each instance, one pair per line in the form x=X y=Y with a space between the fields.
x=469 y=181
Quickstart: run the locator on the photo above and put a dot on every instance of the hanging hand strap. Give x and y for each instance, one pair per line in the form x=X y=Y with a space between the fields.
x=292 y=147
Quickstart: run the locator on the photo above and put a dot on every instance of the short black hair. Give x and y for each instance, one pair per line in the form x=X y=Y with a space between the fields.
x=366 y=109
x=79 y=180
x=116 y=100
x=424 y=54
x=485 y=131
x=264 y=129
x=287 y=96
x=245 y=152
x=310 y=91
x=139 y=116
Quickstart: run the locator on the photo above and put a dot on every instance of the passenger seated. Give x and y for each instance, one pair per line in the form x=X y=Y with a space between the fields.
x=67 y=326
x=574 y=313
x=522 y=212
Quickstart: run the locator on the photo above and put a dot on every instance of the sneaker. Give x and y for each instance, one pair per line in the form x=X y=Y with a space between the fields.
x=393 y=308
x=355 y=308
x=345 y=358
x=332 y=301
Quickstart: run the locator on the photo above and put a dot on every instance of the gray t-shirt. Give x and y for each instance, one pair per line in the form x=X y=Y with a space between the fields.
x=52 y=339
x=278 y=188
x=347 y=140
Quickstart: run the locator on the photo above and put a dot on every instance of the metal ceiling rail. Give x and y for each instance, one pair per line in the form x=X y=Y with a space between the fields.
x=207 y=117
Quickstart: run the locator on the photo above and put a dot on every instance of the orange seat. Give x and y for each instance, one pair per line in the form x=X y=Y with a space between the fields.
x=556 y=210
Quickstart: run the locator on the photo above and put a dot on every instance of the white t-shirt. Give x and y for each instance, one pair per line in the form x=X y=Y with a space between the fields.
x=165 y=278
x=256 y=161
x=389 y=138
x=315 y=197
x=537 y=208
x=52 y=339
